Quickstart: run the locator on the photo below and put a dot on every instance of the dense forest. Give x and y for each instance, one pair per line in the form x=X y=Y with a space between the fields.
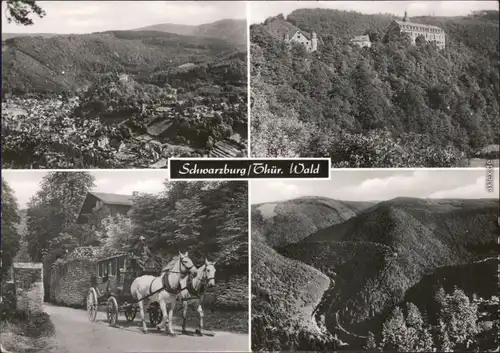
x=391 y=105
x=71 y=62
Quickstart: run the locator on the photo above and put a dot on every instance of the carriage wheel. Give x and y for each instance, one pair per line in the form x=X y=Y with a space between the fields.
x=112 y=311
x=92 y=304
x=155 y=314
x=130 y=313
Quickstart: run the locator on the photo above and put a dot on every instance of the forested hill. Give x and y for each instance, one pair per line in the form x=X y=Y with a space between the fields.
x=233 y=31
x=336 y=101
x=66 y=63
x=397 y=242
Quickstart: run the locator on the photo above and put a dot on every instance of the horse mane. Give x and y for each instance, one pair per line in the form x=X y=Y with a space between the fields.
x=170 y=265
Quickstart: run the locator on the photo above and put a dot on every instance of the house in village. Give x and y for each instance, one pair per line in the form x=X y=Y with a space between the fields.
x=99 y=205
x=431 y=34
x=362 y=41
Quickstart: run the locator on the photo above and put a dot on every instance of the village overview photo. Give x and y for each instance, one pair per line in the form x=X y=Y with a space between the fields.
x=379 y=84
x=377 y=261
x=124 y=84
x=79 y=264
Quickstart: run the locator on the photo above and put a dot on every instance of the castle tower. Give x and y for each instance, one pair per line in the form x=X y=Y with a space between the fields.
x=405 y=19
x=314 y=41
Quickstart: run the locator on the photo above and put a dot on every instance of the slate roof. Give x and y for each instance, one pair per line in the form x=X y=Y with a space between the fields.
x=402 y=23
x=279 y=28
x=114 y=199
x=363 y=38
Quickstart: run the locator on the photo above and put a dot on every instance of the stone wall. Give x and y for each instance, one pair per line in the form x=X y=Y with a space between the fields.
x=70 y=281
x=229 y=295
x=28 y=283
x=8 y=296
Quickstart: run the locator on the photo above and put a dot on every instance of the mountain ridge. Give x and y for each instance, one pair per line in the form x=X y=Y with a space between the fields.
x=68 y=63
x=379 y=257
x=232 y=30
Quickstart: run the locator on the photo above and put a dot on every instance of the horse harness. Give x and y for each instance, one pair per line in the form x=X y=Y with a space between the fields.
x=195 y=294
x=165 y=284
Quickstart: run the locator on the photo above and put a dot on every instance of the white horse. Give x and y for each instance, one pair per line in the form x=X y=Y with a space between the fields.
x=165 y=286
x=193 y=289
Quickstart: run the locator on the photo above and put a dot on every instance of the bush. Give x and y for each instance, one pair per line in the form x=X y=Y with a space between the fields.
x=30 y=325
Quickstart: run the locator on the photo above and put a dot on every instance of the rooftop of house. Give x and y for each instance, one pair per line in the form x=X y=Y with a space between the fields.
x=114 y=199
x=362 y=38
x=278 y=27
x=407 y=23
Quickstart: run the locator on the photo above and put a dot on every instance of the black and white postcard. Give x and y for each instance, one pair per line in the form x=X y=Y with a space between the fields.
x=377 y=261
x=106 y=84
x=378 y=84
x=123 y=261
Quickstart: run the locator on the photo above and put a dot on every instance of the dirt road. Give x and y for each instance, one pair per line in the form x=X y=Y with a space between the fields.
x=75 y=334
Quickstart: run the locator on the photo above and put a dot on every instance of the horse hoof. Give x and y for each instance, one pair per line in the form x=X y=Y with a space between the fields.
x=198 y=332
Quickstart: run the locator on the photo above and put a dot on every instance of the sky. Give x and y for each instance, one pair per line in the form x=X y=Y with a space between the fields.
x=66 y=17
x=380 y=185
x=26 y=183
x=260 y=10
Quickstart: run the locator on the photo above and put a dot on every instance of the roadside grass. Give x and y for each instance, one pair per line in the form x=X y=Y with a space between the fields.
x=22 y=333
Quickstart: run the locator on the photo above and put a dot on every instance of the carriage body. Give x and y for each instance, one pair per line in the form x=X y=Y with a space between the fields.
x=111 y=286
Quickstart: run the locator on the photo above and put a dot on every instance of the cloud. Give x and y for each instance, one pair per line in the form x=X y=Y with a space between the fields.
x=381 y=185
x=384 y=188
x=151 y=186
x=98 y=16
x=474 y=190
x=275 y=190
x=102 y=181
x=23 y=191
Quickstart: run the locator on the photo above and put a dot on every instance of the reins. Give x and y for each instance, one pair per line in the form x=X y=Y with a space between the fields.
x=166 y=285
x=190 y=287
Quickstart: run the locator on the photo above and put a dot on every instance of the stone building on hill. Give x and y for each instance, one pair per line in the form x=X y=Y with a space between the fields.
x=284 y=30
x=362 y=41
x=310 y=41
x=431 y=34
x=99 y=205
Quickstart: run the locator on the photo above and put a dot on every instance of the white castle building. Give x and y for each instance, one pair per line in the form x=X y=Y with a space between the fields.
x=310 y=41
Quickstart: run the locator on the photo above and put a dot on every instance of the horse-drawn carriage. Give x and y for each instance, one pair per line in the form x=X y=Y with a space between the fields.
x=110 y=285
x=126 y=281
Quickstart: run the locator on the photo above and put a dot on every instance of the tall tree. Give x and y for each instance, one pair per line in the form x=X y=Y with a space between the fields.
x=10 y=235
x=54 y=208
x=52 y=212
x=208 y=219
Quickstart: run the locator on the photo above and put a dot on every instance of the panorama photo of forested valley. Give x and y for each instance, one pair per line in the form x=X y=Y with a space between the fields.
x=376 y=84
x=376 y=261
x=122 y=84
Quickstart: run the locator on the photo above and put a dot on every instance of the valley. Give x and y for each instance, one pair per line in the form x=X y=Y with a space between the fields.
x=123 y=99
x=382 y=257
